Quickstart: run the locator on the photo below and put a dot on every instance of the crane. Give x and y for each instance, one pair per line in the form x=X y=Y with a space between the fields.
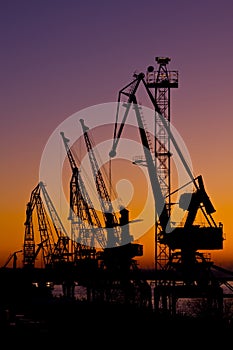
x=54 y=240
x=185 y=241
x=201 y=199
x=118 y=256
x=114 y=237
x=86 y=226
x=46 y=234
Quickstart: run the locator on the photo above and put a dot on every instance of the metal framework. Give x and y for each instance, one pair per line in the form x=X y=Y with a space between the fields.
x=185 y=264
x=86 y=227
x=117 y=259
x=61 y=251
x=112 y=224
x=161 y=81
x=47 y=239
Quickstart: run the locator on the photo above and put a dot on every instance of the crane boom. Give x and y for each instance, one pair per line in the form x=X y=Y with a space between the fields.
x=158 y=196
x=58 y=225
x=110 y=217
x=61 y=249
x=14 y=257
x=82 y=212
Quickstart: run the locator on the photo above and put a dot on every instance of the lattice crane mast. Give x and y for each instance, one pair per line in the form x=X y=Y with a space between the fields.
x=114 y=238
x=161 y=81
x=85 y=224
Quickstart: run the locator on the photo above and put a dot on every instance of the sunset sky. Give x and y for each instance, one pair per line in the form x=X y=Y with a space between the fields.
x=60 y=57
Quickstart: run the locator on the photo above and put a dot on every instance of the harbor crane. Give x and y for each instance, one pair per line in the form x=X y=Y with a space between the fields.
x=114 y=237
x=48 y=239
x=118 y=257
x=184 y=242
x=86 y=227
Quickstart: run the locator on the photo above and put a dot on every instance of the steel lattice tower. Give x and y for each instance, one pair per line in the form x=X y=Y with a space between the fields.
x=161 y=81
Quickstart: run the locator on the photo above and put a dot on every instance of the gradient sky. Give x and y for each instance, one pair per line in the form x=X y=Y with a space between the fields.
x=60 y=56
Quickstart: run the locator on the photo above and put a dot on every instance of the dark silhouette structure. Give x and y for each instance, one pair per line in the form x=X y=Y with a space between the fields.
x=100 y=254
x=190 y=270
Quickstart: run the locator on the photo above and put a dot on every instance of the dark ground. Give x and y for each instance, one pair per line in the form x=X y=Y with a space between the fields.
x=63 y=322
x=42 y=321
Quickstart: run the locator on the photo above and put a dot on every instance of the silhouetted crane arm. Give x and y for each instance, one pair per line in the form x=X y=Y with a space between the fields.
x=110 y=217
x=133 y=86
x=156 y=188
x=58 y=225
x=14 y=257
x=69 y=153
x=81 y=200
x=61 y=246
